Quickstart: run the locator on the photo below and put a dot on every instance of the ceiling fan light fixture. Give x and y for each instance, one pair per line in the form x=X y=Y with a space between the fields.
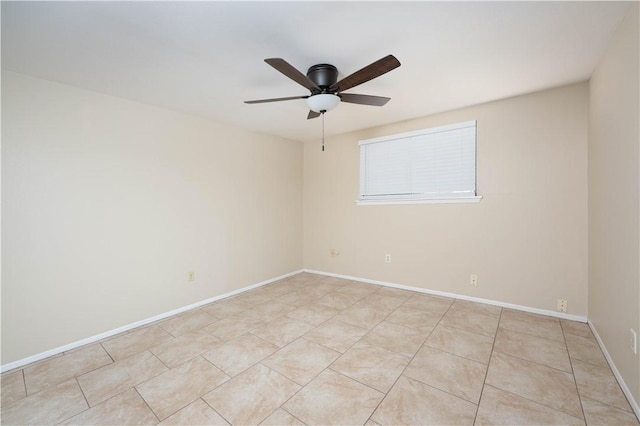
x=323 y=102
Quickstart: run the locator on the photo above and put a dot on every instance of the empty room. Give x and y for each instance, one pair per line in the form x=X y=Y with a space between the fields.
x=320 y=213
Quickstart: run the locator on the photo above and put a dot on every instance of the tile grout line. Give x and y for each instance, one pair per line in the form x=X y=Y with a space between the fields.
x=536 y=362
x=573 y=374
x=462 y=329
x=73 y=377
x=457 y=355
x=162 y=362
x=533 y=335
x=608 y=368
x=369 y=330
x=283 y=409
x=325 y=346
x=24 y=383
x=85 y=400
x=314 y=377
x=209 y=405
x=465 y=329
x=83 y=394
x=536 y=402
x=169 y=369
x=407 y=366
x=486 y=373
x=107 y=352
x=532 y=400
x=147 y=404
x=328 y=367
x=292 y=381
x=279 y=348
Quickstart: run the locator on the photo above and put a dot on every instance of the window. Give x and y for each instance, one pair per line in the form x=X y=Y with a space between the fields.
x=429 y=165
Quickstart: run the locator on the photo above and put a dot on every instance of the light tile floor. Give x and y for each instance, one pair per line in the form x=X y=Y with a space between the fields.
x=318 y=350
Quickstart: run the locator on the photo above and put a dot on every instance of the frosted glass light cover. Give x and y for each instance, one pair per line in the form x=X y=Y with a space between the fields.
x=322 y=102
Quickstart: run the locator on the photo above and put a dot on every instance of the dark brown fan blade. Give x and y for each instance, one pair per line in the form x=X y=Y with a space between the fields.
x=367 y=73
x=312 y=114
x=287 y=69
x=262 y=101
x=352 y=98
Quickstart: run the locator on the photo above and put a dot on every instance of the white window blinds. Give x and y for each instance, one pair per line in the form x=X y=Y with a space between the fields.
x=435 y=163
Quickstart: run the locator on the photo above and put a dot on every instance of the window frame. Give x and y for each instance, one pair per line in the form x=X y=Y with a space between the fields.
x=419 y=198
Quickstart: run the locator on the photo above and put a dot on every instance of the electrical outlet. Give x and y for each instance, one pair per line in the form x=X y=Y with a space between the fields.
x=633 y=341
x=473 y=280
x=191 y=276
x=562 y=305
x=387 y=258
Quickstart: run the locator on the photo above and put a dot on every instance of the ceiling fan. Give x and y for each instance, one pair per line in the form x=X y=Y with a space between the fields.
x=326 y=91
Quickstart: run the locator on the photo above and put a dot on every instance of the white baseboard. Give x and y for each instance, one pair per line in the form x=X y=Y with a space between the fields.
x=625 y=389
x=92 y=339
x=571 y=317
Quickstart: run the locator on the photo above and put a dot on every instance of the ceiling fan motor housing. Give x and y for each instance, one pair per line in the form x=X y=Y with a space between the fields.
x=323 y=75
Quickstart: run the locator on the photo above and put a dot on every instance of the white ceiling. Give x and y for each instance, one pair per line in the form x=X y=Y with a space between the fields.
x=206 y=58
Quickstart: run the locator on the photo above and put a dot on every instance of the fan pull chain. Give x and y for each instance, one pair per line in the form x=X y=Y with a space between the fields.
x=322 y=131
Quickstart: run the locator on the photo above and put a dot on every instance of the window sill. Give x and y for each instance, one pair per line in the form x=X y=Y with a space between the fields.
x=475 y=199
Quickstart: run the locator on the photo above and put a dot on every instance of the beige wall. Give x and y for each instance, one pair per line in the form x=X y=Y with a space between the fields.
x=526 y=240
x=107 y=204
x=614 y=198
